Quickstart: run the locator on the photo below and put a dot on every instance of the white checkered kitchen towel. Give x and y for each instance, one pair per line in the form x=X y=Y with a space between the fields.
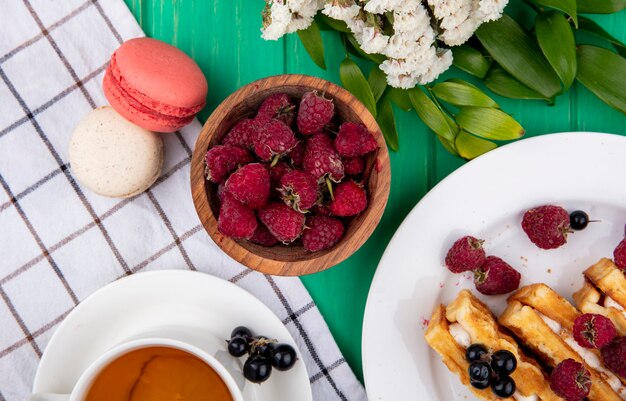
x=59 y=242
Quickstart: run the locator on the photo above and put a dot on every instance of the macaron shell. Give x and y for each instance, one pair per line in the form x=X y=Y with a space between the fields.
x=137 y=113
x=161 y=73
x=113 y=157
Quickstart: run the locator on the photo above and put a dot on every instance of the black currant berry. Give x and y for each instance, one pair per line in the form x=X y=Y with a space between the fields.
x=578 y=220
x=283 y=357
x=475 y=352
x=503 y=387
x=503 y=362
x=262 y=346
x=238 y=346
x=241 y=331
x=257 y=369
x=480 y=374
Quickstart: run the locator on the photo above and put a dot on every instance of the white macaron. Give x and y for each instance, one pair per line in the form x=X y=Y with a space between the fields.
x=113 y=157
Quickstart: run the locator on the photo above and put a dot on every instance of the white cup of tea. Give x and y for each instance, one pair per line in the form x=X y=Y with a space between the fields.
x=134 y=349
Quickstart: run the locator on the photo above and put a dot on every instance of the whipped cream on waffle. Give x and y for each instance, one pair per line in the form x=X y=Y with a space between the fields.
x=611 y=303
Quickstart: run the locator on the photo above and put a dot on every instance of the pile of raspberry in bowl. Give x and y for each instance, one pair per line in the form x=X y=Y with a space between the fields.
x=292 y=174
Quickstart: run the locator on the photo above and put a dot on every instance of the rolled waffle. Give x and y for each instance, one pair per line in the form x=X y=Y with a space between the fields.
x=467 y=317
x=604 y=293
x=543 y=320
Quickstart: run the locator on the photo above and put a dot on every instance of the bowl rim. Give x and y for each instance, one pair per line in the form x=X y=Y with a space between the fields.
x=376 y=203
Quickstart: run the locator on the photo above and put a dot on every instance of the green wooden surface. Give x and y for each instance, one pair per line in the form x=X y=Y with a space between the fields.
x=223 y=37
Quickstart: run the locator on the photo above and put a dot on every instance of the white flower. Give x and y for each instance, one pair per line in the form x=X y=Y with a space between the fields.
x=492 y=9
x=304 y=8
x=298 y=23
x=343 y=11
x=444 y=61
x=460 y=34
x=276 y=18
x=372 y=40
x=382 y=6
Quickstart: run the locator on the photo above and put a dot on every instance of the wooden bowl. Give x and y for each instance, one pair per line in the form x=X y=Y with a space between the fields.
x=291 y=260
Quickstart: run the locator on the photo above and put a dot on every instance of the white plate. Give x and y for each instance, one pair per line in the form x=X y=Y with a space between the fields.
x=179 y=300
x=486 y=198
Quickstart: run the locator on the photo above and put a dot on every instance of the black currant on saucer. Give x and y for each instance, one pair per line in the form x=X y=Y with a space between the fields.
x=257 y=369
x=238 y=346
x=578 y=220
x=503 y=362
x=241 y=331
x=283 y=357
x=480 y=374
x=476 y=352
x=503 y=386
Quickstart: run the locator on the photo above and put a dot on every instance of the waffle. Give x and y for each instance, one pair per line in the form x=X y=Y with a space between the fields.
x=604 y=293
x=543 y=320
x=479 y=323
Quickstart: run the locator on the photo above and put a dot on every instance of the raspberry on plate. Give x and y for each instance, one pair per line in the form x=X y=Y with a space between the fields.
x=350 y=199
x=321 y=159
x=466 y=254
x=593 y=331
x=322 y=232
x=570 y=380
x=354 y=140
x=221 y=160
x=547 y=226
x=282 y=221
x=614 y=356
x=243 y=133
x=274 y=139
x=297 y=154
x=619 y=255
x=353 y=165
x=299 y=190
x=314 y=113
x=250 y=185
x=235 y=219
x=496 y=277
x=277 y=106
x=263 y=236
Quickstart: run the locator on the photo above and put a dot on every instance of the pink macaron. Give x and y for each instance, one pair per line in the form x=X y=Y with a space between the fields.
x=154 y=85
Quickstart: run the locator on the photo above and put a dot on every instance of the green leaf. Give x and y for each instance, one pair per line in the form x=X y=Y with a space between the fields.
x=585 y=24
x=567 y=6
x=387 y=122
x=312 y=40
x=470 y=60
x=448 y=145
x=515 y=51
x=489 y=123
x=459 y=94
x=332 y=23
x=557 y=43
x=430 y=113
x=602 y=72
x=354 y=81
x=400 y=98
x=502 y=83
x=377 y=58
x=377 y=81
x=470 y=147
x=600 y=6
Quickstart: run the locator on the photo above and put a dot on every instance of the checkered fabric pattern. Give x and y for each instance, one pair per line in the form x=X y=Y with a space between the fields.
x=59 y=242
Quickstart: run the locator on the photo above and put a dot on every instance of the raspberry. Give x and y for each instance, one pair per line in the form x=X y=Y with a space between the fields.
x=570 y=380
x=322 y=233
x=353 y=165
x=496 y=277
x=350 y=199
x=321 y=159
x=220 y=192
x=277 y=172
x=263 y=236
x=321 y=209
x=235 y=219
x=250 y=185
x=277 y=106
x=297 y=154
x=614 y=356
x=619 y=255
x=282 y=221
x=354 y=140
x=547 y=226
x=299 y=190
x=593 y=331
x=315 y=113
x=243 y=133
x=274 y=139
x=466 y=254
x=221 y=160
